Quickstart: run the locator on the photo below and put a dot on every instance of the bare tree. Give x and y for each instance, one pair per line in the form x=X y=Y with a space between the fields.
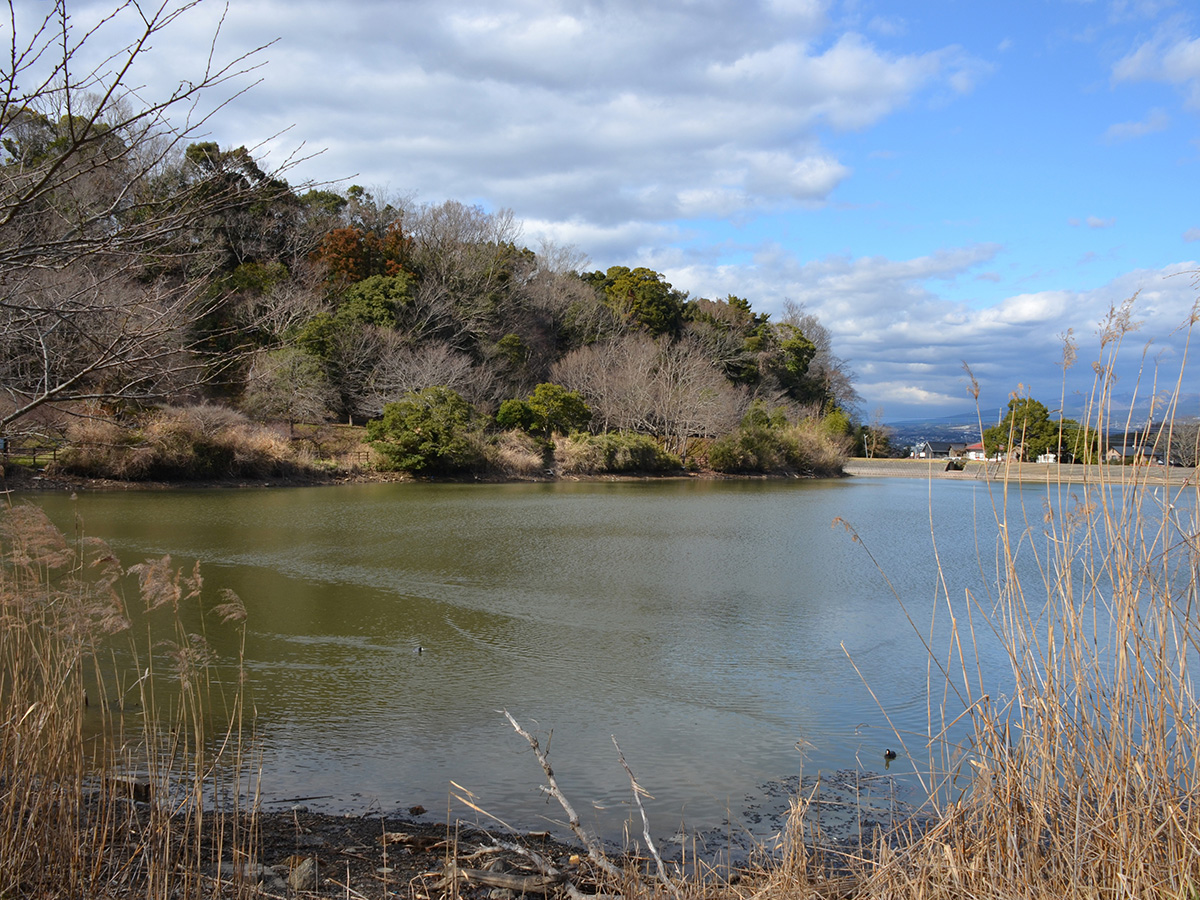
x=1183 y=440
x=398 y=367
x=692 y=397
x=669 y=389
x=100 y=285
x=288 y=385
x=285 y=305
x=613 y=379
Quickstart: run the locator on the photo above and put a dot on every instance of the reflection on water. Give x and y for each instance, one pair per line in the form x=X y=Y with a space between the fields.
x=708 y=626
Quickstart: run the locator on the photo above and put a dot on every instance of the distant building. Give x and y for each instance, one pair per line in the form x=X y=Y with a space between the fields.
x=939 y=450
x=975 y=451
x=1134 y=454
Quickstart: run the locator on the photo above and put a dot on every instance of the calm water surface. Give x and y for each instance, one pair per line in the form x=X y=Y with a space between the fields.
x=708 y=626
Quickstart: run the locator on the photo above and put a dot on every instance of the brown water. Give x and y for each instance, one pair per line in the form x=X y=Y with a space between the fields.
x=705 y=625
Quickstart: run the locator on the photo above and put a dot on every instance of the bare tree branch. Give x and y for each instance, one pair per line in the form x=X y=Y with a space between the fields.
x=595 y=853
x=105 y=274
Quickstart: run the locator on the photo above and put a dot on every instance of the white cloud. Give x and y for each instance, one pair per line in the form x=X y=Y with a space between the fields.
x=1097 y=222
x=1192 y=234
x=1156 y=120
x=1166 y=58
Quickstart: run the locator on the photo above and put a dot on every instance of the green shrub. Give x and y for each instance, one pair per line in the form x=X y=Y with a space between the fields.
x=430 y=432
x=550 y=408
x=766 y=443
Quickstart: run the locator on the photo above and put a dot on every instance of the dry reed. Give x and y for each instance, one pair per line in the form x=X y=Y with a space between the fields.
x=1084 y=781
x=111 y=782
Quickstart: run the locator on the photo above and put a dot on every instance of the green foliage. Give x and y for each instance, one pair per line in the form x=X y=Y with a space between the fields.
x=517 y=414
x=758 y=446
x=766 y=442
x=376 y=300
x=641 y=296
x=255 y=277
x=785 y=355
x=330 y=203
x=550 y=408
x=1027 y=430
x=318 y=336
x=836 y=423
x=430 y=432
x=512 y=350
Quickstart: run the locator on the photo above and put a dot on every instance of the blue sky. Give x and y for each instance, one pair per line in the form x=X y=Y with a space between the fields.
x=940 y=182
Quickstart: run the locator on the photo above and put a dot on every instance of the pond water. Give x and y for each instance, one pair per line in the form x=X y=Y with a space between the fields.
x=709 y=626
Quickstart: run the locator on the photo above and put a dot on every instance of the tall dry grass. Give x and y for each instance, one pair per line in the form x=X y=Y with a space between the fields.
x=1082 y=779
x=112 y=782
x=180 y=443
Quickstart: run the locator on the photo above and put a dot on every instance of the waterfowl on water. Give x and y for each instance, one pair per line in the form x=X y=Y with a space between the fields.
x=889 y=754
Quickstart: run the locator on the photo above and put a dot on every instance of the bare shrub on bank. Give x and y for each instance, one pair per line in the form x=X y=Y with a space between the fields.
x=515 y=454
x=180 y=443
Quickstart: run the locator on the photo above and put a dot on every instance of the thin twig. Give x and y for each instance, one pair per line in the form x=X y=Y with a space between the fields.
x=638 y=791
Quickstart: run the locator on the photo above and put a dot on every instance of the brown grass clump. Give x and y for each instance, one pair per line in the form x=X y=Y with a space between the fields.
x=515 y=454
x=822 y=451
x=611 y=453
x=105 y=760
x=1082 y=779
x=180 y=443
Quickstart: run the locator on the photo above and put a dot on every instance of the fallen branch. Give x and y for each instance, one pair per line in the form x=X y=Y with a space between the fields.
x=547 y=868
x=520 y=883
x=595 y=854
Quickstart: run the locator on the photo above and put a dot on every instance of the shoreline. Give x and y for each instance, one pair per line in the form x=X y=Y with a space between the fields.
x=18 y=479
x=1021 y=473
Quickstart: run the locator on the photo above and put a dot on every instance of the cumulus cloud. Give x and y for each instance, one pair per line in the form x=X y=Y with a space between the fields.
x=561 y=109
x=908 y=343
